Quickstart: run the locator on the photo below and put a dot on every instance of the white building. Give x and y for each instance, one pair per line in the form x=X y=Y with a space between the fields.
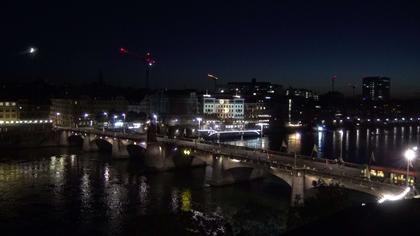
x=224 y=108
x=8 y=111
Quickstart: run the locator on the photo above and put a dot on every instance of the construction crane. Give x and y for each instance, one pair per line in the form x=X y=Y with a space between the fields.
x=147 y=59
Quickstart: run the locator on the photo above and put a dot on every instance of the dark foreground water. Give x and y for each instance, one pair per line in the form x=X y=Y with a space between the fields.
x=63 y=192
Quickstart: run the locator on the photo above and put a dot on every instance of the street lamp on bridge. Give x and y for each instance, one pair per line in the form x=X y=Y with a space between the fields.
x=410 y=155
x=57 y=114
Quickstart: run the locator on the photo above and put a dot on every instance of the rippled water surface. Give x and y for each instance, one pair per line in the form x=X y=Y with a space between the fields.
x=62 y=191
x=354 y=145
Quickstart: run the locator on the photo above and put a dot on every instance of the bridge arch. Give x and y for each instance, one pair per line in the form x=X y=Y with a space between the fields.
x=75 y=139
x=104 y=144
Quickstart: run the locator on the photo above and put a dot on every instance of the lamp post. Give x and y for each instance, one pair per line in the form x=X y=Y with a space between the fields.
x=123 y=115
x=155 y=118
x=86 y=115
x=409 y=155
x=199 y=119
x=103 y=125
x=261 y=125
x=56 y=118
x=297 y=136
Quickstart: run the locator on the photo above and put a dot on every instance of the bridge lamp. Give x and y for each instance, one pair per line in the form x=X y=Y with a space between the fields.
x=105 y=113
x=187 y=152
x=409 y=155
x=199 y=119
x=85 y=115
x=261 y=125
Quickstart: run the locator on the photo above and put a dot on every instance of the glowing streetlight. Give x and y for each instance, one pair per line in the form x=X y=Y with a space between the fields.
x=410 y=155
x=261 y=125
x=85 y=115
x=199 y=119
x=123 y=115
x=56 y=117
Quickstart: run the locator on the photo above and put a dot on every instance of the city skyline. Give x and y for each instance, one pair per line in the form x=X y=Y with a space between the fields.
x=291 y=117
x=298 y=44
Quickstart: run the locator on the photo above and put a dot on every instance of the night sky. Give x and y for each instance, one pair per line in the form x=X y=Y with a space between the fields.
x=293 y=43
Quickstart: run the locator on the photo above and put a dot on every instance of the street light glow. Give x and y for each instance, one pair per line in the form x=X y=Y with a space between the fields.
x=410 y=154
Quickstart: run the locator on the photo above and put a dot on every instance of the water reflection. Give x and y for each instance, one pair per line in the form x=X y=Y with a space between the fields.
x=354 y=145
x=186 y=200
x=294 y=142
x=85 y=194
x=143 y=195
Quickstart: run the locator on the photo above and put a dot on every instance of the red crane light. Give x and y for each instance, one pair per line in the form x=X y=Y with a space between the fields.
x=149 y=59
x=123 y=50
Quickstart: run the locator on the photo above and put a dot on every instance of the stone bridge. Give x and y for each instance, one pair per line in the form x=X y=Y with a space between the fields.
x=227 y=164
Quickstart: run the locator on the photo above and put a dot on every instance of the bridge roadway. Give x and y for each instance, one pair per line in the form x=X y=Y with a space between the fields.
x=277 y=159
x=105 y=133
x=284 y=165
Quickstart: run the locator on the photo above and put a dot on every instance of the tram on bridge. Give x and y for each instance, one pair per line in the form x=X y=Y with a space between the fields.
x=390 y=175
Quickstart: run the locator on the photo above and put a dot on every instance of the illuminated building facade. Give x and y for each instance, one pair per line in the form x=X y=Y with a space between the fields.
x=376 y=88
x=225 y=107
x=9 y=111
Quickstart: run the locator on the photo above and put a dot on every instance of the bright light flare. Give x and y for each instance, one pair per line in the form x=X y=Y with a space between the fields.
x=410 y=154
x=123 y=50
x=212 y=76
x=391 y=197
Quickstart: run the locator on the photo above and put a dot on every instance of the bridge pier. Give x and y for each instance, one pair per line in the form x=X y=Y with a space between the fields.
x=64 y=138
x=225 y=171
x=158 y=157
x=298 y=189
x=88 y=144
x=119 y=150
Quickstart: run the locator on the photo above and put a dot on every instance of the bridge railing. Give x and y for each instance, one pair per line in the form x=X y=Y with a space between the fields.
x=103 y=133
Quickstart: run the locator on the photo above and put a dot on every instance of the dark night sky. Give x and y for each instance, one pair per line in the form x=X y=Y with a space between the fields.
x=297 y=43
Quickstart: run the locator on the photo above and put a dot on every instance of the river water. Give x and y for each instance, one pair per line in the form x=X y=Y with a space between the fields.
x=353 y=145
x=66 y=192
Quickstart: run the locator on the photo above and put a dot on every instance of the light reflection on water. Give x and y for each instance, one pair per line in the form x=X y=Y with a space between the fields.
x=87 y=194
x=356 y=145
